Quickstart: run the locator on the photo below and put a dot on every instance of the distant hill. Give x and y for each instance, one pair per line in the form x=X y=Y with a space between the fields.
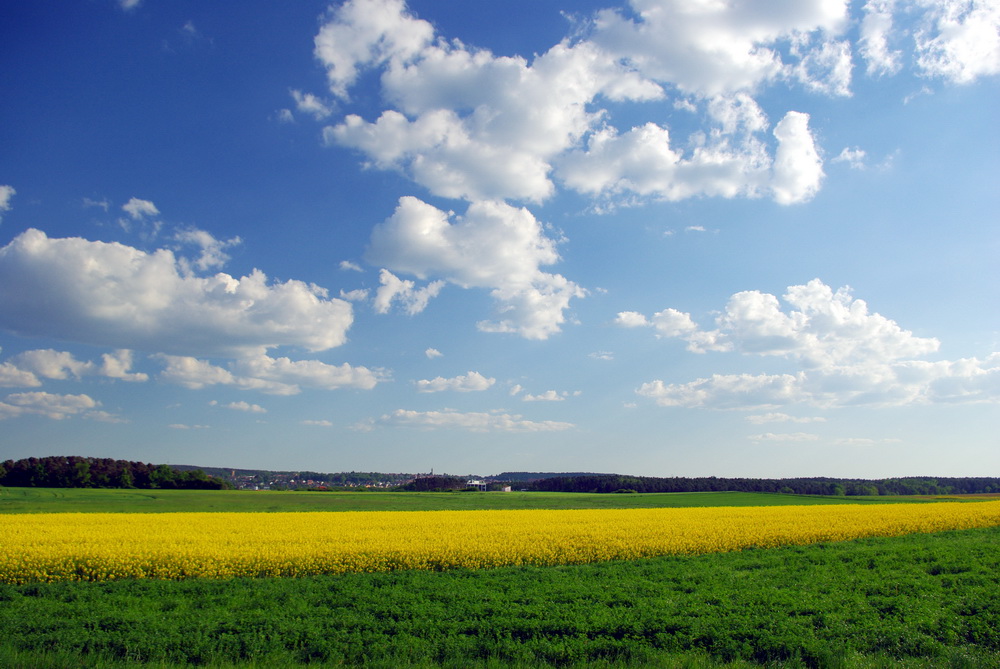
x=262 y=479
x=74 y=471
x=538 y=476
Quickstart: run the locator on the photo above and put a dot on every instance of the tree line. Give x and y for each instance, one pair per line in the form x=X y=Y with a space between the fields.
x=919 y=485
x=81 y=472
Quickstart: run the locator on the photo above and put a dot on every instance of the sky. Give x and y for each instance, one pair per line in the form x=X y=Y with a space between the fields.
x=661 y=237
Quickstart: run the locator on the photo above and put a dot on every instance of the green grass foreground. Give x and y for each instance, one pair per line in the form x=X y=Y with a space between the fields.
x=93 y=500
x=914 y=601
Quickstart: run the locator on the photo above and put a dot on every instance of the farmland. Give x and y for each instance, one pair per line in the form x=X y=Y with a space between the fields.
x=923 y=599
x=89 y=500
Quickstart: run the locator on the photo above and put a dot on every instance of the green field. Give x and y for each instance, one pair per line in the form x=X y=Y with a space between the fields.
x=913 y=601
x=89 y=500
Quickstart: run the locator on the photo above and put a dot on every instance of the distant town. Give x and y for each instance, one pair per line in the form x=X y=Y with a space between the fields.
x=86 y=472
x=256 y=479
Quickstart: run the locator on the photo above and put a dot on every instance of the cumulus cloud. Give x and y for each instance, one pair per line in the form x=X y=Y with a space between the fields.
x=139 y=209
x=432 y=353
x=760 y=419
x=402 y=291
x=733 y=161
x=49 y=405
x=114 y=295
x=213 y=254
x=798 y=169
x=822 y=328
x=474 y=422
x=854 y=157
x=959 y=40
x=471 y=382
x=275 y=376
x=25 y=369
x=316 y=423
x=785 y=437
x=876 y=30
x=6 y=195
x=845 y=356
x=467 y=124
x=363 y=34
x=713 y=48
x=241 y=406
x=310 y=104
x=549 y=396
x=954 y=40
x=494 y=245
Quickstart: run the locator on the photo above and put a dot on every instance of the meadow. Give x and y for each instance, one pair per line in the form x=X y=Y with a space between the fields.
x=917 y=600
x=97 y=500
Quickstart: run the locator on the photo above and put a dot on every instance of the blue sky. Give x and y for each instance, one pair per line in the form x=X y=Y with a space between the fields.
x=663 y=238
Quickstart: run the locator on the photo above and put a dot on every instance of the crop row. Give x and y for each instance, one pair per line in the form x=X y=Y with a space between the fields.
x=98 y=547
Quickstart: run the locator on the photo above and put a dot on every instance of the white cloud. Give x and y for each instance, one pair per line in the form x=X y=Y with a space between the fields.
x=105 y=417
x=475 y=422
x=241 y=406
x=316 y=423
x=413 y=299
x=469 y=124
x=275 y=376
x=876 y=29
x=854 y=157
x=959 y=40
x=24 y=369
x=368 y=33
x=760 y=419
x=899 y=383
x=494 y=246
x=117 y=365
x=6 y=195
x=347 y=265
x=673 y=323
x=798 y=169
x=631 y=319
x=723 y=164
x=213 y=254
x=955 y=40
x=432 y=353
x=824 y=328
x=713 y=48
x=864 y=441
x=114 y=295
x=182 y=426
x=845 y=355
x=129 y=4
x=602 y=355
x=12 y=376
x=100 y=204
x=471 y=382
x=547 y=396
x=359 y=295
x=783 y=437
x=139 y=209
x=56 y=407
x=310 y=104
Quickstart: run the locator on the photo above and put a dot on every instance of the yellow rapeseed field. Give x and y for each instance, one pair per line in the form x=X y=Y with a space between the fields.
x=106 y=546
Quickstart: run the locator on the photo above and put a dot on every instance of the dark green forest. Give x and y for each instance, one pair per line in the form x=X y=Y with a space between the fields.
x=919 y=485
x=79 y=472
